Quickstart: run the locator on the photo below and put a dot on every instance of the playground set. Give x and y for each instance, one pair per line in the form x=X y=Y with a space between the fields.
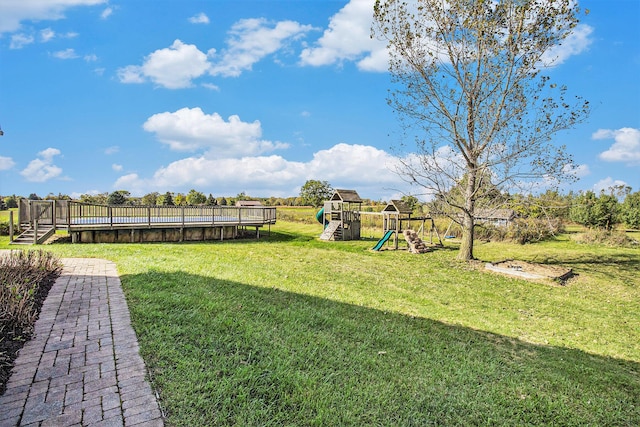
x=341 y=217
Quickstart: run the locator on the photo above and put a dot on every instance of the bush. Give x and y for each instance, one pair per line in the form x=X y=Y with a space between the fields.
x=21 y=275
x=25 y=280
x=604 y=237
x=521 y=230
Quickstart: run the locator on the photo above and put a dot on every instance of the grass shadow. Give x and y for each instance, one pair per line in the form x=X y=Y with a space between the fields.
x=226 y=353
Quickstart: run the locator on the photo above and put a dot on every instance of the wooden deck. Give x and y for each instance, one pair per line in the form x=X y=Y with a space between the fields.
x=110 y=224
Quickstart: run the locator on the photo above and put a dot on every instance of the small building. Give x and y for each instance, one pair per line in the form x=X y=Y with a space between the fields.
x=495 y=217
x=248 y=203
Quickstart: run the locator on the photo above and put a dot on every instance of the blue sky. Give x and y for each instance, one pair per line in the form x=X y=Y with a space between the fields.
x=230 y=96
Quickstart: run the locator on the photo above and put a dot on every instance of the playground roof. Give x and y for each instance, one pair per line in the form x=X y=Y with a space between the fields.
x=397 y=206
x=350 y=196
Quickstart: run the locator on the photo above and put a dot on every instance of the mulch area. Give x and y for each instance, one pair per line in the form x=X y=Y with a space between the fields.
x=11 y=341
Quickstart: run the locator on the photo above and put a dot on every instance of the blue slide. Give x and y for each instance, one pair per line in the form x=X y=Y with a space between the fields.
x=383 y=240
x=320 y=216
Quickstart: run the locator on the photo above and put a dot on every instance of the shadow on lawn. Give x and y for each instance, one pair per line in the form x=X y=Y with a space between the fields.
x=227 y=353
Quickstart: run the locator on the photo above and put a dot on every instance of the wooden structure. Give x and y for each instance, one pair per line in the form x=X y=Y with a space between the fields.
x=248 y=203
x=341 y=216
x=91 y=223
x=397 y=217
x=495 y=217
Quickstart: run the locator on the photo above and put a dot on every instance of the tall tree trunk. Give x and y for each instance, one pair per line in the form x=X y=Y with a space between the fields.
x=466 y=246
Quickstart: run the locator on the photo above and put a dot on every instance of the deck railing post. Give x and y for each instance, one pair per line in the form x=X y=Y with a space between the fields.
x=10 y=226
x=149 y=215
x=110 y=214
x=35 y=231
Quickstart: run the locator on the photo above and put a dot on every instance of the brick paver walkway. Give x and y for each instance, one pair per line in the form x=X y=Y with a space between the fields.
x=82 y=368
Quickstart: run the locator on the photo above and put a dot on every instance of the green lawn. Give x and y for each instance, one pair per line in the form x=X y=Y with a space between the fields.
x=290 y=330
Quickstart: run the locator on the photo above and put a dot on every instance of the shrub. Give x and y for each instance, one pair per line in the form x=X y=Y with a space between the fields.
x=22 y=274
x=521 y=230
x=605 y=237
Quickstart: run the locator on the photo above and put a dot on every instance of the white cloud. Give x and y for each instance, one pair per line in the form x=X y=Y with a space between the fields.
x=578 y=171
x=211 y=86
x=106 y=13
x=576 y=43
x=173 y=67
x=365 y=168
x=111 y=150
x=42 y=169
x=200 y=18
x=47 y=35
x=18 y=41
x=14 y=12
x=253 y=39
x=606 y=184
x=348 y=38
x=190 y=129
x=625 y=149
x=6 y=163
x=65 y=54
x=131 y=74
x=116 y=167
x=91 y=58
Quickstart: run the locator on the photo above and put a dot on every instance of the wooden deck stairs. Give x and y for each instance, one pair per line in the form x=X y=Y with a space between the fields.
x=333 y=231
x=28 y=237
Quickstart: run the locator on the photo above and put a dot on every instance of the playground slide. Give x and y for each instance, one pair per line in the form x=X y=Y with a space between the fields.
x=320 y=216
x=383 y=240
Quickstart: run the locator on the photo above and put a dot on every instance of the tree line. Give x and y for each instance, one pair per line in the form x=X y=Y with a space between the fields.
x=604 y=210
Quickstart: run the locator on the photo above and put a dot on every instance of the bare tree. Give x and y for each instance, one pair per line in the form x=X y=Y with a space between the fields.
x=467 y=81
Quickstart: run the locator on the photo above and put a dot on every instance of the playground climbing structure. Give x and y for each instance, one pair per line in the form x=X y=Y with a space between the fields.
x=340 y=216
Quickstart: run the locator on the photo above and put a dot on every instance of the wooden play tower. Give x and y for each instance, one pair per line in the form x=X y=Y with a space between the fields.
x=397 y=218
x=340 y=216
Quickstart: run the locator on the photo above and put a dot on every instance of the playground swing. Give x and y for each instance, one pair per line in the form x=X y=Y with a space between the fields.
x=446 y=233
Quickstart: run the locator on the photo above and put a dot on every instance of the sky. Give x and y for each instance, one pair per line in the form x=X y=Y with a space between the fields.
x=231 y=96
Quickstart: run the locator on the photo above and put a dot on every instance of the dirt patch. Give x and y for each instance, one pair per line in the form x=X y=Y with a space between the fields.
x=529 y=270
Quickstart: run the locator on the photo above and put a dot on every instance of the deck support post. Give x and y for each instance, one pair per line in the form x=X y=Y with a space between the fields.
x=10 y=226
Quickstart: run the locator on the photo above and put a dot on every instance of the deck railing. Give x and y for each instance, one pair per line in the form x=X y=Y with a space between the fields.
x=80 y=214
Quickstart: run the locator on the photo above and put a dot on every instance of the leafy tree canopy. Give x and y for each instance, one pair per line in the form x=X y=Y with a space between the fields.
x=469 y=90
x=315 y=192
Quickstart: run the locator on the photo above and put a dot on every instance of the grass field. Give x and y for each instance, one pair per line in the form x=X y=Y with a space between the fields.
x=290 y=330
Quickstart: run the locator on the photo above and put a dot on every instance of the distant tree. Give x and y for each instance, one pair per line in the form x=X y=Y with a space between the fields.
x=118 y=197
x=150 y=199
x=34 y=196
x=211 y=201
x=180 y=199
x=595 y=211
x=467 y=83
x=11 y=201
x=410 y=201
x=581 y=211
x=195 y=198
x=631 y=210
x=222 y=201
x=100 y=198
x=166 y=199
x=3 y=205
x=242 y=196
x=607 y=211
x=315 y=192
